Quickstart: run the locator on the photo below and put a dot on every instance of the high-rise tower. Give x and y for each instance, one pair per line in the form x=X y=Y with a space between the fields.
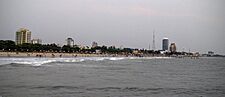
x=153 y=41
x=165 y=44
x=23 y=36
x=173 y=47
x=70 y=42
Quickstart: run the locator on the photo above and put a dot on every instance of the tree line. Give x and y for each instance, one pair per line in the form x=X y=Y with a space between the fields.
x=9 y=45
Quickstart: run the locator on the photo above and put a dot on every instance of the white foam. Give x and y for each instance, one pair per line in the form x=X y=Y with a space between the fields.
x=36 y=63
x=69 y=60
x=41 y=61
x=100 y=59
x=149 y=57
x=116 y=58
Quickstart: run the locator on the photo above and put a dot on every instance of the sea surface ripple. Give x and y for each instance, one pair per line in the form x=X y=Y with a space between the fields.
x=112 y=77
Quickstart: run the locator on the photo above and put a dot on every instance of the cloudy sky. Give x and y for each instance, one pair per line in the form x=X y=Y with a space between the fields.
x=198 y=25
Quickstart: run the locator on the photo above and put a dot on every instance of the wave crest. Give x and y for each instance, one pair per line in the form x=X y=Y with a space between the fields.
x=41 y=61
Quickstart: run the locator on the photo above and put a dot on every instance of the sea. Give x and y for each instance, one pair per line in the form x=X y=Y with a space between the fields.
x=112 y=77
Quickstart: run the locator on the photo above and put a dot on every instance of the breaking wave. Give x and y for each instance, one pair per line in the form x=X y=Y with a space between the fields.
x=41 y=61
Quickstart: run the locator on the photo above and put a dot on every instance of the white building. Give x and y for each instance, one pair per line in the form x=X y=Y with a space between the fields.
x=23 y=36
x=36 y=41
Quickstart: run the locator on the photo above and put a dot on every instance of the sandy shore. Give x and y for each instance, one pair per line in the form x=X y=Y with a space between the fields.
x=53 y=55
x=38 y=54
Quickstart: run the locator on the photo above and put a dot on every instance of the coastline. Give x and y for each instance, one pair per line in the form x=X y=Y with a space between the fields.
x=48 y=54
x=56 y=55
x=73 y=55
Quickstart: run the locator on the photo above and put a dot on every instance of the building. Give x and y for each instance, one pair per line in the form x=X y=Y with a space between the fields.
x=36 y=41
x=210 y=53
x=173 y=47
x=23 y=36
x=165 y=44
x=70 y=42
x=94 y=44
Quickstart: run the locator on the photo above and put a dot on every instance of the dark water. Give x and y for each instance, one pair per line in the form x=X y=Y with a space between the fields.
x=112 y=77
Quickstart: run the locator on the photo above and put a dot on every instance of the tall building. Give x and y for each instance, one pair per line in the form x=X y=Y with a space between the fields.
x=165 y=44
x=23 y=36
x=70 y=42
x=173 y=47
x=94 y=44
x=36 y=41
x=210 y=53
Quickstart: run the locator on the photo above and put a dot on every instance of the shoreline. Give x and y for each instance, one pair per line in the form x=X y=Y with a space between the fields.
x=50 y=54
x=66 y=55
x=58 y=55
x=74 y=55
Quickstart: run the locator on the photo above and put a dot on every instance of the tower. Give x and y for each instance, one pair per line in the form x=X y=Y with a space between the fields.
x=153 y=41
x=70 y=42
x=165 y=44
x=173 y=47
x=23 y=36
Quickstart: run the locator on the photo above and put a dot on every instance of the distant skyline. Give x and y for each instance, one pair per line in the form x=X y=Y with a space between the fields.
x=198 y=25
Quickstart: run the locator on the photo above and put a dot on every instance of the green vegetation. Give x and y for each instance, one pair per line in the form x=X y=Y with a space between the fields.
x=8 y=45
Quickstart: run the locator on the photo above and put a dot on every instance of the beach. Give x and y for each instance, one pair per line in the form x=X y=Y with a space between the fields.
x=53 y=54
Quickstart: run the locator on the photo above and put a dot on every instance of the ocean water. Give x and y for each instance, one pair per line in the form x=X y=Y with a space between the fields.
x=112 y=77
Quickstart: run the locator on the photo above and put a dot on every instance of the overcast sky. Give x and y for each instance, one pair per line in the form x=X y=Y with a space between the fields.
x=198 y=25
